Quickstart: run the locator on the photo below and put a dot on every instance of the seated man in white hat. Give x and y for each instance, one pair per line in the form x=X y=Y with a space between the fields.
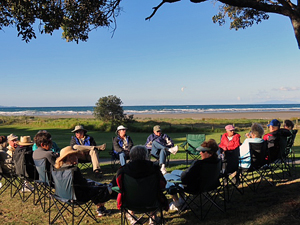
x=122 y=144
x=88 y=148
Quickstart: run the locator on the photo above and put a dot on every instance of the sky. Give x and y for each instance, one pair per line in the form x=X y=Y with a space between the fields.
x=179 y=57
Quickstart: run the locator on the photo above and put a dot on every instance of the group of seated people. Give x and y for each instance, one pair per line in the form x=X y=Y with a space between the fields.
x=83 y=146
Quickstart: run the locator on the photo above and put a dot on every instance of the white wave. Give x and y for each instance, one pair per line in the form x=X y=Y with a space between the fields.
x=45 y=113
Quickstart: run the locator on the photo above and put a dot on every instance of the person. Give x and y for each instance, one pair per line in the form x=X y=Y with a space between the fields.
x=6 y=153
x=189 y=177
x=272 y=139
x=54 y=147
x=3 y=142
x=161 y=146
x=230 y=140
x=229 y=147
x=85 y=190
x=44 y=142
x=122 y=144
x=254 y=136
x=88 y=148
x=138 y=167
x=289 y=125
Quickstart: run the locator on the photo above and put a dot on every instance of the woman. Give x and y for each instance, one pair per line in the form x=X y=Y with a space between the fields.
x=254 y=136
x=122 y=144
x=208 y=151
x=84 y=190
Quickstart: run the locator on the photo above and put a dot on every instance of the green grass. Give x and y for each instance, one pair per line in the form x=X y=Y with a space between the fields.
x=279 y=204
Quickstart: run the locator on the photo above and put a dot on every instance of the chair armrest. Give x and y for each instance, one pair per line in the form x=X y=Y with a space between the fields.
x=183 y=144
x=116 y=189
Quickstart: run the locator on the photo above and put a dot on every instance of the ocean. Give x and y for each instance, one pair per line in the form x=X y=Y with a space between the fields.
x=159 y=109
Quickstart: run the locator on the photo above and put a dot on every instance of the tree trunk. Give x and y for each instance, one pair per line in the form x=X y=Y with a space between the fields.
x=296 y=25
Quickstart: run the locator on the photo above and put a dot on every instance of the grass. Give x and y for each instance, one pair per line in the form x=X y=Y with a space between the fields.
x=279 y=204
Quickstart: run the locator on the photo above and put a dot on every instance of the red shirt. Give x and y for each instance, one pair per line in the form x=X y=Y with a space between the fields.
x=230 y=145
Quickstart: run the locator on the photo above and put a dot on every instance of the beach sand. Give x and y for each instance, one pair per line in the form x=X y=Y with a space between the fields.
x=199 y=116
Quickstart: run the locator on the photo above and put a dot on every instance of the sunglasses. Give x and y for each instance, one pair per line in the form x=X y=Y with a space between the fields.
x=203 y=151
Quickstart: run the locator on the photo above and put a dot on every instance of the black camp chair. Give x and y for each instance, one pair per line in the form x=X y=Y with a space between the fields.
x=142 y=196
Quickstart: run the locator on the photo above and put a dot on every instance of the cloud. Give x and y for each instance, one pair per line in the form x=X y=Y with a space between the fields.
x=288 y=89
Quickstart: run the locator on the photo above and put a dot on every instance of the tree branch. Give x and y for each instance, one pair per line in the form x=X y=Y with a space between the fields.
x=157 y=7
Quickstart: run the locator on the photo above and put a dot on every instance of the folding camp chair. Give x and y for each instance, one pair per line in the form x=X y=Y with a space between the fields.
x=25 y=170
x=142 y=196
x=65 y=201
x=43 y=186
x=210 y=192
x=192 y=142
x=258 y=169
x=9 y=180
x=289 y=150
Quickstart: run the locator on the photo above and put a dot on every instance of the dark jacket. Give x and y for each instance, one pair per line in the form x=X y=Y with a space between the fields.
x=118 y=144
x=163 y=139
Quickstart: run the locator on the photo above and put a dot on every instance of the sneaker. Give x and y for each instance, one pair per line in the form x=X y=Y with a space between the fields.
x=172 y=207
x=173 y=150
x=28 y=186
x=101 y=147
x=163 y=169
x=130 y=219
x=102 y=211
x=176 y=206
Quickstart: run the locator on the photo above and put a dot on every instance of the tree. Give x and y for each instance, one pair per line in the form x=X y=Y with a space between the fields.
x=109 y=109
x=75 y=17
x=244 y=13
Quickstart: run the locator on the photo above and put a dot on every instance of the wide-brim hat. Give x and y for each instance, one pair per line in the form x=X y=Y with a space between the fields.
x=121 y=127
x=65 y=152
x=12 y=137
x=79 y=127
x=25 y=140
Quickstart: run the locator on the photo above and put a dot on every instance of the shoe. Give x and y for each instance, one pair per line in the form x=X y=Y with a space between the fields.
x=172 y=207
x=174 y=150
x=102 y=211
x=101 y=147
x=0 y=185
x=130 y=219
x=154 y=221
x=163 y=169
x=27 y=187
x=177 y=206
x=98 y=173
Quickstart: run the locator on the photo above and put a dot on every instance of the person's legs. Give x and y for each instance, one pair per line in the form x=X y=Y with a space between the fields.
x=156 y=148
x=122 y=157
x=95 y=159
x=83 y=147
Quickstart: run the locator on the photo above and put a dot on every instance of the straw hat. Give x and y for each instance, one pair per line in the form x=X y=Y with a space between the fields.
x=65 y=152
x=79 y=127
x=25 y=140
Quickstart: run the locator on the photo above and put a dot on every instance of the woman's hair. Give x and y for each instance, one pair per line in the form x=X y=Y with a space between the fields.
x=289 y=123
x=212 y=144
x=42 y=138
x=257 y=130
x=3 y=139
x=138 y=152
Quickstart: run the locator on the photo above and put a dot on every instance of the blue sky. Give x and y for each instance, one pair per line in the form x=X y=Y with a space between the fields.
x=178 y=57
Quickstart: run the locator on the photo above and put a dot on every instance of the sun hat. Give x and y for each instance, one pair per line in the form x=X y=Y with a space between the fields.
x=12 y=137
x=65 y=152
x=25 y=140
x=156 y=128
x=229 y=127
x=78 y=127
x=274 y=122
x=121 y=127
x=203 y=149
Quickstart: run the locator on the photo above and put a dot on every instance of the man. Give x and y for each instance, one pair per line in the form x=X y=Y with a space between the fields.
x=6 y=154
x=88 y=148
x=161 y=146
x=272 y=138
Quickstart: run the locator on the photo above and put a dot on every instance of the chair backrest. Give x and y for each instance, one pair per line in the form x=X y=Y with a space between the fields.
x=290 y=141
x=23 y=161
x=194 y=141
x=258 y=153
x=283 y=141
x=232 y=160
x=40 y=165
x=141 y=195
x=63 y=182
x=210 y=176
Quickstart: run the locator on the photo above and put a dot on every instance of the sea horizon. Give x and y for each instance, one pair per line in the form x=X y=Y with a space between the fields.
x=149 y=109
